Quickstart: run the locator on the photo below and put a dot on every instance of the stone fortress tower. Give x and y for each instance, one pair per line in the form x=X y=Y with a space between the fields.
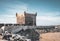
x=26 y=19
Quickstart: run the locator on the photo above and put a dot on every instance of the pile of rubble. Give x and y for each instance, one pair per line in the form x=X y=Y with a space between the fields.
x=14 y=37
x=22 y=35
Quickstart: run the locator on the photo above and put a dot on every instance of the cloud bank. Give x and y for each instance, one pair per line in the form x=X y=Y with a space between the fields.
x=45 y=20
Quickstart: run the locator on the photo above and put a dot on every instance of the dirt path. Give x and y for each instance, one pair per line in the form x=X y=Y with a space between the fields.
x=50 y=36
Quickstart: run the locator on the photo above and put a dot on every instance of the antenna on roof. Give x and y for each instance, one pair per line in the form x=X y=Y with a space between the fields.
x=16 y=14
x=27 y=9
x=24 y=12
x=36 y=13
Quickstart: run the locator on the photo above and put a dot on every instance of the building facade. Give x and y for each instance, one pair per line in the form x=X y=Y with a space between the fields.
x=26 y=18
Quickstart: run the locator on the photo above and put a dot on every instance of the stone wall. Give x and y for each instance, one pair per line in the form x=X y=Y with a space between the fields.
x=20 y=18
x=26 y=18
x=18 y=28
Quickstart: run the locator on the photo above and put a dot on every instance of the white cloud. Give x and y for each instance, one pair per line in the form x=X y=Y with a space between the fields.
x=7 y=19
x=45 y=20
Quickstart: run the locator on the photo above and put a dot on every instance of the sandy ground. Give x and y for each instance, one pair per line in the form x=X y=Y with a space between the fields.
x=50 y=36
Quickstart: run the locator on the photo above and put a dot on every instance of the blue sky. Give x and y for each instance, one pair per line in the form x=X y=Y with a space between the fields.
x=48 y=11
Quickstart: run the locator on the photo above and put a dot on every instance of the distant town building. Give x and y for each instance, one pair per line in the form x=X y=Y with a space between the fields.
x=26 y=18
